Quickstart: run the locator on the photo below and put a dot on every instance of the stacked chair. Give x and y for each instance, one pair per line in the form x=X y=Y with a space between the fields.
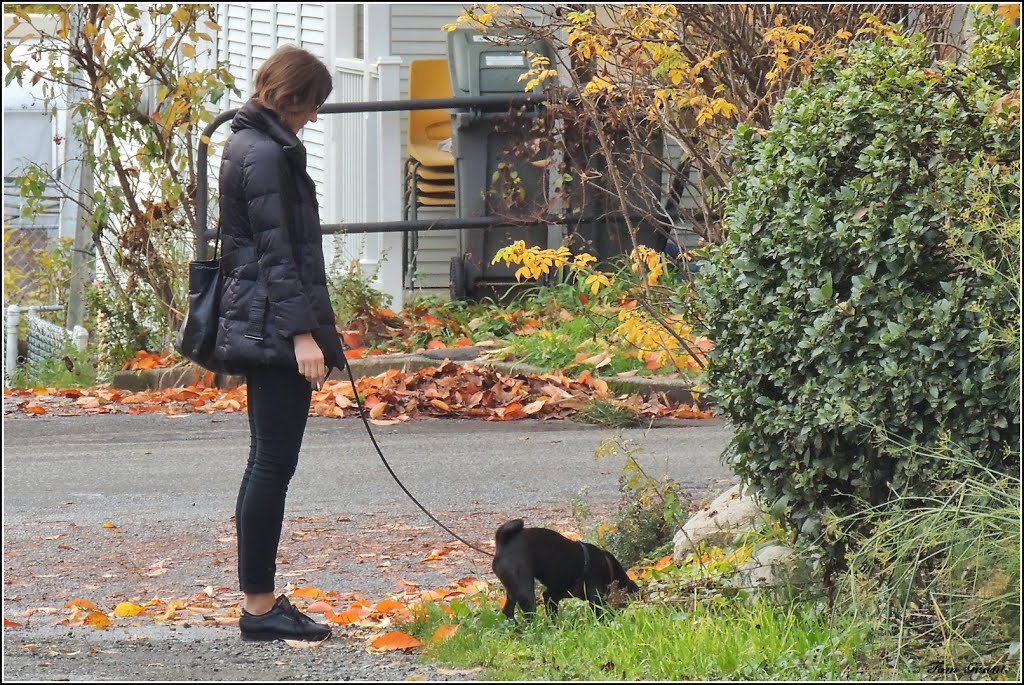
x=430 y=167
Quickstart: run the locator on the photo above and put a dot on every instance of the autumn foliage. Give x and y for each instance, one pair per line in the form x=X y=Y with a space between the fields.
x=448 y=390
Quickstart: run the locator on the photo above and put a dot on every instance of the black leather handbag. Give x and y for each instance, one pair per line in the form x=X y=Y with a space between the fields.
x=197 y=336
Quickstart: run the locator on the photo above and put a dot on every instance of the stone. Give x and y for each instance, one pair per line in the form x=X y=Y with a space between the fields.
x=767 y=567
x=730 y=513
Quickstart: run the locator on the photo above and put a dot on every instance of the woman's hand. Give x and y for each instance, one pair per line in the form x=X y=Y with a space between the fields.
x=310 y=358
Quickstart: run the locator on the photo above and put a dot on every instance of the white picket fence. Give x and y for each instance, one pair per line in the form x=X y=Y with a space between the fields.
x=46 y=340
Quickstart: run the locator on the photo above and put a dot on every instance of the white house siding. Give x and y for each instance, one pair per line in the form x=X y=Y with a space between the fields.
x=248 y=35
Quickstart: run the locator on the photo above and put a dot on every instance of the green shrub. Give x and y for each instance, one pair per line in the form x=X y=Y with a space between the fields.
x=838 y=304
x=649 y=513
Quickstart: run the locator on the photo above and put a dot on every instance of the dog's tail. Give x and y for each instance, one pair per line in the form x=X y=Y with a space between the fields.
x=507 y=531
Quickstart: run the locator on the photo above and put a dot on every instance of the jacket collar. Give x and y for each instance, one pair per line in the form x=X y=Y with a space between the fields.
x=255 y=116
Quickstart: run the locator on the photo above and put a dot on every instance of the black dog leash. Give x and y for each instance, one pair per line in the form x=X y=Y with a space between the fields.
x=362 y=414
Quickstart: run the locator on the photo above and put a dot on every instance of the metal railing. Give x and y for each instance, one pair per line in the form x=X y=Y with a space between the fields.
x=481 y=103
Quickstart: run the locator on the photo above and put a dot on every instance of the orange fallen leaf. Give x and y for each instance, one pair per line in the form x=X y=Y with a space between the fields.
x=471 y=585
x=319 y=608
x=534 y=407
x=81 y=603
x=352 y=340
x=98 y=620
x=436 y=345
x=438 y=554
x=308 y=592
x=664 y=562
x=431 y=320
x=434 y=595
x=108 y=524
x=35 y=409
x=386 y=605
x=355 y=353
x=444 y=633
x=396 y=639
x=343 y=617
x=8 y=623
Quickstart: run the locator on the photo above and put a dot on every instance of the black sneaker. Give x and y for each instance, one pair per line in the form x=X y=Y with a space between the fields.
x=283 y=622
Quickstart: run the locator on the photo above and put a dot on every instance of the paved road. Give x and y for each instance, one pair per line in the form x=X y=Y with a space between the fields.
x=168 y=484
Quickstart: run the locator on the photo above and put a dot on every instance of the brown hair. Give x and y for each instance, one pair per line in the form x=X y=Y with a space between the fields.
x=292 y=81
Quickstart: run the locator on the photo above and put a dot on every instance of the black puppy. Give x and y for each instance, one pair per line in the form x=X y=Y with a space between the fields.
x=565 y=567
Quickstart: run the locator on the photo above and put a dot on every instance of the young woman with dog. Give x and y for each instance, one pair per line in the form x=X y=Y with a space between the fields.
x=277 y=325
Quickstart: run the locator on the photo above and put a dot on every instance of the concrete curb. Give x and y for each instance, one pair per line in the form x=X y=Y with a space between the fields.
x=676 y=389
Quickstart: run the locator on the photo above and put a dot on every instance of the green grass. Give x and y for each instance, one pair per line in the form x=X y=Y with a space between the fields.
x=941 y=572
x=726 y=641
x=611 y=414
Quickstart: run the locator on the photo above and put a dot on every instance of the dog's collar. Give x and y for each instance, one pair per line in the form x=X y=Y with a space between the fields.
x=586 y=559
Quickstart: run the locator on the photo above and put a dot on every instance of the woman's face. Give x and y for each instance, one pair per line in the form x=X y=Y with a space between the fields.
x=295 y=122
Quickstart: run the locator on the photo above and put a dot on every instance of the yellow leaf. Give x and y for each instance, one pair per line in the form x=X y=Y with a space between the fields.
x=1009 y=12
x=108 y=524
x=128 y=609
x=188 y=49
x=595 y=281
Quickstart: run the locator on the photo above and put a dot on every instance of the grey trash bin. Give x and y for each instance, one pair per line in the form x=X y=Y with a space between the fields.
x=490 y=179
x=601 y=229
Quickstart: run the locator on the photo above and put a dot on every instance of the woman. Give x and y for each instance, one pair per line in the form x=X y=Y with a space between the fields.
x=276 y=322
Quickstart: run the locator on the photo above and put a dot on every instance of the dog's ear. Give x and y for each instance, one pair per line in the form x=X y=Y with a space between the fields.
x=621 y=577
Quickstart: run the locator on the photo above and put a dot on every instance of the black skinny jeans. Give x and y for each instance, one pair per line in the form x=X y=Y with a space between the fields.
x=278 y=408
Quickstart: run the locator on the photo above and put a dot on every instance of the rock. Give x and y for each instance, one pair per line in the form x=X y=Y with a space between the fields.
x=731 y=512
x=767 y=567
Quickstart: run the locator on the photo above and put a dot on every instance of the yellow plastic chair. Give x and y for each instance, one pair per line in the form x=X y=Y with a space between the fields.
x=428 y=173
x=435 y=188
x=428 y=78
x=435 y=200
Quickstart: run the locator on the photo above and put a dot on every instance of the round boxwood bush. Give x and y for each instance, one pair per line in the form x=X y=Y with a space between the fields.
x=839 y=309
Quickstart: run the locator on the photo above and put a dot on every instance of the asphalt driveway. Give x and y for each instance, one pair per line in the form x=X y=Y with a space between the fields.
x=168 y=485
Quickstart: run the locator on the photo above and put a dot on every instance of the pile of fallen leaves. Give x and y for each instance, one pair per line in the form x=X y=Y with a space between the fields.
x=449 y=390
x=381 y=331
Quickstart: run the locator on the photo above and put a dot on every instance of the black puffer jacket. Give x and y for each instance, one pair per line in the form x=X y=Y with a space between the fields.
x=269 y=214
